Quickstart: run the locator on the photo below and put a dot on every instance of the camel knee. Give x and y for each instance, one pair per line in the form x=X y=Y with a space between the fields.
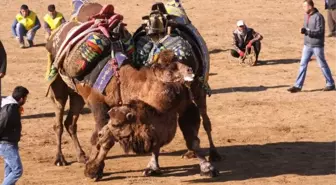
x=70 y=127
x=71 y=124
x=58 y=128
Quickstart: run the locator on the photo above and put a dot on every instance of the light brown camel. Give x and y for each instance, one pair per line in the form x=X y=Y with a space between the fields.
x=140 y=128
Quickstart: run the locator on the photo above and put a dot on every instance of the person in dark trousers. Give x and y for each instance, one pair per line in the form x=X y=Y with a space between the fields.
x=26 y=23
x=244 y=37
x=10 y=134
x=3 y=64
x=330 y=5
x=313 y=31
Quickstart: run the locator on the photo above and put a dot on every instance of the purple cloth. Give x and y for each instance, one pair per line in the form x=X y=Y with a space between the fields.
x=104 y=77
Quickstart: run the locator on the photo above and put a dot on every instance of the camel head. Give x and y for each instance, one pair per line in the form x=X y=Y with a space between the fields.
x=168 y=69
x=129 y=126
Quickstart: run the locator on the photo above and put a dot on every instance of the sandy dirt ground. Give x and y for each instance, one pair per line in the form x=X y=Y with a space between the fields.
x=265 y=134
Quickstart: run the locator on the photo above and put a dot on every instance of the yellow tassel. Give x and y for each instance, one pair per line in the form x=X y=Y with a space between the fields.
x=48 y=66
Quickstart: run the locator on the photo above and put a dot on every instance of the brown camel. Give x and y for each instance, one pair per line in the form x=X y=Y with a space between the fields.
x=140 y=128
x=59 y=92
x=181 y=40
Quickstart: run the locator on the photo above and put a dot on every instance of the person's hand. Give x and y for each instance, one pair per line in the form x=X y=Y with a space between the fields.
x=21 y=109
x=303 y=30
x=2 y=75
x=249 y=45
x=241 y=53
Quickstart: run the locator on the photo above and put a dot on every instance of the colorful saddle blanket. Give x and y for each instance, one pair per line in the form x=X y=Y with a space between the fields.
x=95 y=25
x=79 y=58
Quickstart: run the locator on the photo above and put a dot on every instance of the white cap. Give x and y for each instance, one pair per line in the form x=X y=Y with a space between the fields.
x=240 y=23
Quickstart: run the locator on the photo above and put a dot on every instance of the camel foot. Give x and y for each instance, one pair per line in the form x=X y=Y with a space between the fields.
x=214 y=155
x=150 y=172
x=208 y=170
x=60 y=161
x=189 y=155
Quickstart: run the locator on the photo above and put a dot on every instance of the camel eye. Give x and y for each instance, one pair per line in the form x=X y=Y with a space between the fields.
x=130 y=116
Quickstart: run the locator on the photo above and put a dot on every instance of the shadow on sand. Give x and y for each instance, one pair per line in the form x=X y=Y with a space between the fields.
x=51 y=114
x=244 y=162
x=246 y=89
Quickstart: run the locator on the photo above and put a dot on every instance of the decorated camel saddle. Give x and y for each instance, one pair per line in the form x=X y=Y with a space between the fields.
x=78 y=51
x=168 y=27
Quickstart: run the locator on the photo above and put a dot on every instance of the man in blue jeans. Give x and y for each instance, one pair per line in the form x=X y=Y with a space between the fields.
x=313 y=30
x=26 y=23
x=10 y=134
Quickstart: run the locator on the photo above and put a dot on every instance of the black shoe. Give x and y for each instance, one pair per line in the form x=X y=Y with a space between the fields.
x=329 y=88
x=30 y=43
x=294 y=89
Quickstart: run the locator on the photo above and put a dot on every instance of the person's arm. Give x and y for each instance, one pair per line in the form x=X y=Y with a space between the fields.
x=256 y=36
x=47 y=27
x=234 y=43
x=14 y=27
x=5 y=114
x=37 y=25
x=63 y=20
x=319 y=31
x=3 y=60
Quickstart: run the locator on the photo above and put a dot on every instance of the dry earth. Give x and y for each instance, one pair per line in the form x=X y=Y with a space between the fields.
x=267 y=135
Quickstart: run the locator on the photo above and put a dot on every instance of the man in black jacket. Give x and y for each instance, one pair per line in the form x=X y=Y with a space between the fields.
x=3 y=64
x=245 y=37
x=10 y=134
x=330 y=5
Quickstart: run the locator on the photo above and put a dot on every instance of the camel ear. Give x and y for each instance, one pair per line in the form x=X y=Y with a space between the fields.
x=130 y=116
x=145 y=17
x=166 y=56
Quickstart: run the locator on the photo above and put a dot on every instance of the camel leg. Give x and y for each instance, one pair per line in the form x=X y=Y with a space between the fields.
x=153 y=167
x=76 y=105
x=95 y=166
x=99 y=111
x=200 y=100
x=59 y=96
x=189 y=123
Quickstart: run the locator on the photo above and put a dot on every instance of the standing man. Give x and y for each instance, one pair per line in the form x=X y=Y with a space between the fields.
x=330 y=5
x=10 y=134
x=244 y=37
x=26 y=23
x=3 y=64
x=52 y=20
x=313 y=31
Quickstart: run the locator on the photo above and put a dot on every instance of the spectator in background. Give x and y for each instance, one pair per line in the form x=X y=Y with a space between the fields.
x=52 y=20
x=245 y=37
x=10 y=134
x=330 y=5
x=313 y=31
x=26 y=23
